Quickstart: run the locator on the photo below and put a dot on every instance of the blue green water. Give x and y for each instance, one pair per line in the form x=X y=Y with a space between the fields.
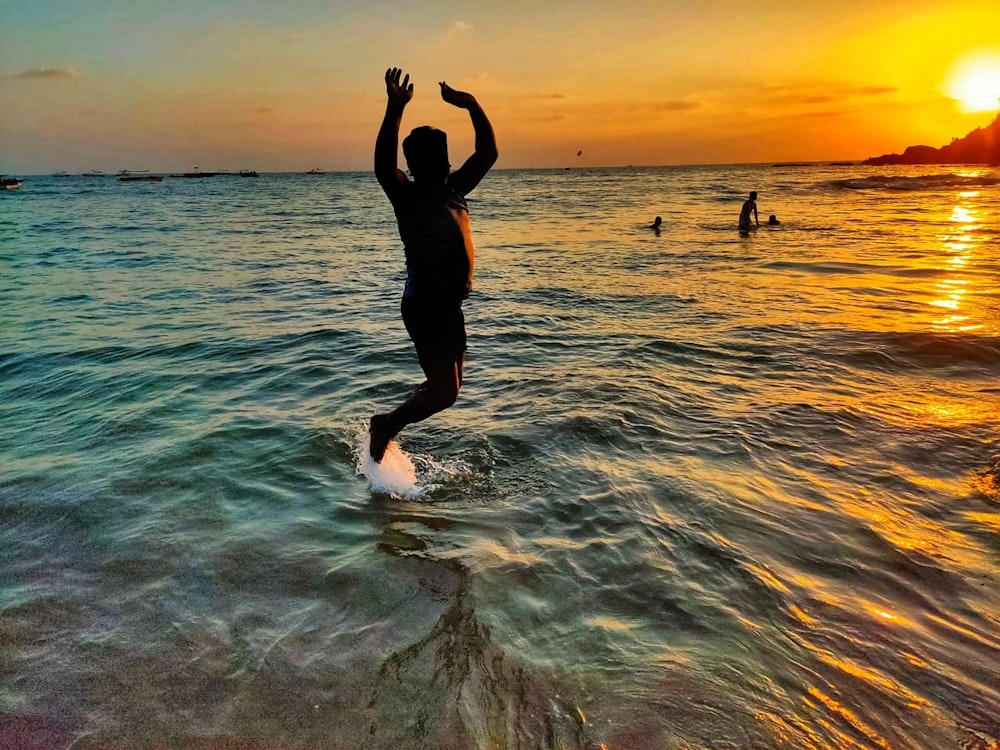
x=700 y=490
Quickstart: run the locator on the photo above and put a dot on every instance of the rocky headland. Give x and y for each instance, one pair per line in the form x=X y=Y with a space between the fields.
x=981 y=146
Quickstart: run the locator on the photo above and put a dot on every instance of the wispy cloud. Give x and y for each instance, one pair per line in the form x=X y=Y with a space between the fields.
x=458 y=31
x=875 y=90
x=823 y=93
x=546 y=96
x=677 y=105
x=45 y=73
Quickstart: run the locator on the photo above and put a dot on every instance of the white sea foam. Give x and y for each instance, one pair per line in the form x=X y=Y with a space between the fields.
x=395 y=474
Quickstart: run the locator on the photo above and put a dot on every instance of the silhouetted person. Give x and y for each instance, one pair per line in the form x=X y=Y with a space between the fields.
x=772 y=220
x=433 y=220
x=749 y=206
x=656 y=223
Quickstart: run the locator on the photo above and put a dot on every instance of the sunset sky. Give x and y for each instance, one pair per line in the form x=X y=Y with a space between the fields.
x=287 y=86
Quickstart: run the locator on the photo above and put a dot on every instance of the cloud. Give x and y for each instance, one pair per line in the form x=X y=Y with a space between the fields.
x=875 y=90
x=546 y=96
x=677 y=105
x=45 y=73
x=457 y=31
x=822 y=93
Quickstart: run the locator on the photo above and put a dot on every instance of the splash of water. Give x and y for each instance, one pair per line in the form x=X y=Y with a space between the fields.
x=395 y=474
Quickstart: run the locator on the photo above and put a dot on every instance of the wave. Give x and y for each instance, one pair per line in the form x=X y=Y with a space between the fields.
x=922 y=350
x=923 y=182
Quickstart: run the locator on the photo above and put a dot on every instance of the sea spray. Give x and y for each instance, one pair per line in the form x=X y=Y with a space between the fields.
x=394 y=474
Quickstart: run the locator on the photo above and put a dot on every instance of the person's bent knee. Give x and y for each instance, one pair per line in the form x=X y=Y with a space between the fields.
x=446 y=394
x=443 y=389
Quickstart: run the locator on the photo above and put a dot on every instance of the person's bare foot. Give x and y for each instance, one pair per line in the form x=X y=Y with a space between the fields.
x=379 y=436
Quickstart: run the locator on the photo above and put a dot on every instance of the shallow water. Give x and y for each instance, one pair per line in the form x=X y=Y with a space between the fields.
x=700 y=489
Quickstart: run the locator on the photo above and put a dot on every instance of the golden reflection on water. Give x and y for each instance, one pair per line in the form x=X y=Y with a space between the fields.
x=930 y=410
x=959 y=243
x=833 y=707
x=886 y=617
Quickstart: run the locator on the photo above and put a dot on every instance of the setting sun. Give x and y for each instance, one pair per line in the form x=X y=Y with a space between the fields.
x=975 y=83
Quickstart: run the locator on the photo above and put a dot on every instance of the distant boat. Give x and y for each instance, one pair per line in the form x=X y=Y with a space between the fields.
x=138 y=175
x=61 y=173
x=315 y=170
x=10 y=183
x=198 y=173
x=93 y=173
x=248 y=173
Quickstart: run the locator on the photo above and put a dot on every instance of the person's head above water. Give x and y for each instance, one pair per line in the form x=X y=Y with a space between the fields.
x=426 y=152
x=656 y=223
x=753 y=195
x=772 y=219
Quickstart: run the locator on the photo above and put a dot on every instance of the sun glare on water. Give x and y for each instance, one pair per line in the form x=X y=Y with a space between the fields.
x=975 y=82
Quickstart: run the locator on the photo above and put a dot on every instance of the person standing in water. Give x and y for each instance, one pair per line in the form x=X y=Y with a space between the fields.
x=433 y=220
x=749 y=206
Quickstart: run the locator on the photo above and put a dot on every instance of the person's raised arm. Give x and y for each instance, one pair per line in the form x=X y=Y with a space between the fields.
x=398 y=94
x=476 y=166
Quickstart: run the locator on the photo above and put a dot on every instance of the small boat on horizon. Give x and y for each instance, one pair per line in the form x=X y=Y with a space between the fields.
x=198 y=173
x=315 y=170
x=93 y=173
x=10 y=183
x=248 y=173
x=138 y=175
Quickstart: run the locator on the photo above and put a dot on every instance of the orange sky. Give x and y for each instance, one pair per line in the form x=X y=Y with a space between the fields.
x=228 y=84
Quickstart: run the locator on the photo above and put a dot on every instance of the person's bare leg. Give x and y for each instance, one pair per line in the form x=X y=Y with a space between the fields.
x=435 y=394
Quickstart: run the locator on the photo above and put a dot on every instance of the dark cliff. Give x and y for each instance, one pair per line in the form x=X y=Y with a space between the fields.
x=981 y=146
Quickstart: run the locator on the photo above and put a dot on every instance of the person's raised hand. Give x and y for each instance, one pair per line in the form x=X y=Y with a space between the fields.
x=398 y=92
x=456 y=98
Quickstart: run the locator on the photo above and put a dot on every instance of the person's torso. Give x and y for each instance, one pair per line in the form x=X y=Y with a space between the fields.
x=434 y=226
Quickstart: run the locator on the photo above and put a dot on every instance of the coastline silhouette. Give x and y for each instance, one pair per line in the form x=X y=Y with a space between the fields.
x=981 y=146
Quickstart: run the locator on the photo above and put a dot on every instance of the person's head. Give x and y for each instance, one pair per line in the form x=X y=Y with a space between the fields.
x=753 y=195
x=657 y=221
x=426 y=152
x=772 y=219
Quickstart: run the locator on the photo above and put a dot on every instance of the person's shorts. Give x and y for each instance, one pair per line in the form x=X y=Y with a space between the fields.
x=437 y=329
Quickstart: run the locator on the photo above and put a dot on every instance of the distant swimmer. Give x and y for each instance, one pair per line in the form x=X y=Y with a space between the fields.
x=433 y=220
x=656 y=224
x=772 y=220
x=749 y=206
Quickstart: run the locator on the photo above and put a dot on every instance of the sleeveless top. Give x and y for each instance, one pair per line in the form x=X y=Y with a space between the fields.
x=431 y=222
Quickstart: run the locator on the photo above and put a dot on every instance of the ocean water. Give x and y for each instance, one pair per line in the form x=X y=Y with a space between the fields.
x=700 y=490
